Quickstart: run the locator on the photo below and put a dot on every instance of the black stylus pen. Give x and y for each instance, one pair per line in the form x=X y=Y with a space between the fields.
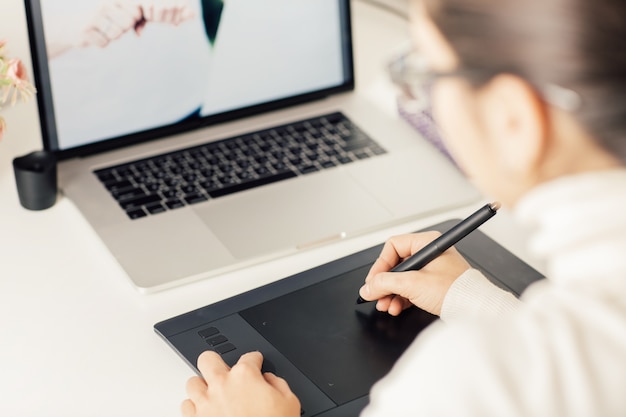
x=444 y=242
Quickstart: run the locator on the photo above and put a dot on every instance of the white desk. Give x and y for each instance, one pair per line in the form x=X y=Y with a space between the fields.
x=75 y=338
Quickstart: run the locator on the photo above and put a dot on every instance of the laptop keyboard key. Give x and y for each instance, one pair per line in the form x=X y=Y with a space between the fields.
x=307 y=169
x=195 y=198
x=174 y=204
x=136 y=213
x=127 y=194
x=155 y=208
x=118 y=185
x=140 y=201
x=356 y=144
x=106 y=176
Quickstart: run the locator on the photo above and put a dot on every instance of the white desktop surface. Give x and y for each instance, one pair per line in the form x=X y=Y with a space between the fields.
x=76 y=338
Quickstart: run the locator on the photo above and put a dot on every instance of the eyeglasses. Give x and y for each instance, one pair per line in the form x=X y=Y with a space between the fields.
x=412 y=74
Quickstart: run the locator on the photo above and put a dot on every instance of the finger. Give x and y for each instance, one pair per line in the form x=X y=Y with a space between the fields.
x=387 y=259
x=390 y=283
x=252 y=359
x=248 y=367
x=93 y=37
x=174 y=17
x=187 y=14
x=196 y=388
x=112 y=21
x=130 y=15
x=372 y=291
x=383 y=303
x=165 y=12
x=211 y=365
x=184 y=12
x=398 y=248
x=164 y=15
x=398 y=305
x=178 y=14
x=148 y=12
x=123 y=17
x=188 y=408
x=393 y=304
x=277 y=383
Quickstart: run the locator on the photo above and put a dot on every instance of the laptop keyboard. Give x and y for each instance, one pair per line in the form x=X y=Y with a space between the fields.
x=196 y=174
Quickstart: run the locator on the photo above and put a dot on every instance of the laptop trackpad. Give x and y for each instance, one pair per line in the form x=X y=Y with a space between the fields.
x=291 y=214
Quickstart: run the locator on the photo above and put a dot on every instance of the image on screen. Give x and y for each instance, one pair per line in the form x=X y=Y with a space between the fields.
x=116 y=67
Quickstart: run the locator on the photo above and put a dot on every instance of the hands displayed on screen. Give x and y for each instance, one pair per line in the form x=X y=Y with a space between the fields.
x=112 y=20
x=426 y=288
x=240 y=391
x=115 y=18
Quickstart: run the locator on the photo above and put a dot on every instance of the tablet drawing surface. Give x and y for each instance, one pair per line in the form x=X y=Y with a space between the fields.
x=341 y=347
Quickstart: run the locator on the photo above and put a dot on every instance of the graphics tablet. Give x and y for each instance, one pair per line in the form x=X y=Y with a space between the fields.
x=311 y=332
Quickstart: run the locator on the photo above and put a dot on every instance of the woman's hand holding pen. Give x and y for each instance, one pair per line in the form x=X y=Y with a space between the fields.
x=426 y=288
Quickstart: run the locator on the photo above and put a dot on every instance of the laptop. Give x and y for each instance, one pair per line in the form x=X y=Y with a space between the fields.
x=215 y=135
x=311 y=333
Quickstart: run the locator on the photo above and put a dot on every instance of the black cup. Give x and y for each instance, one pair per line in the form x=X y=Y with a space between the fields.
x=36 y=179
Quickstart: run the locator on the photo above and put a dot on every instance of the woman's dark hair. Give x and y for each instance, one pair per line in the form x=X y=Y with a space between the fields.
x=576 y=44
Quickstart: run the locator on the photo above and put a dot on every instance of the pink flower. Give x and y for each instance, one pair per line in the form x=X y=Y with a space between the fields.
x=16 y=71
x=13 y=82
x=17 y=79
x=3 y=126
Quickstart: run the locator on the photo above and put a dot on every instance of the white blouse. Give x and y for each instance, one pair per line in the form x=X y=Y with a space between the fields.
x=560 y=351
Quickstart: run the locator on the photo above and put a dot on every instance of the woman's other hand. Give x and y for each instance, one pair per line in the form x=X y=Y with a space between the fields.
x=240 y=391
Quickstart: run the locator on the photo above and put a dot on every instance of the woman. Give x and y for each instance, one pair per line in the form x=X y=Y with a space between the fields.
x=529 y=96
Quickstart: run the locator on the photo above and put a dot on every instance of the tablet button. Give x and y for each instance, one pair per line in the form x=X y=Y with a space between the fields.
x=208 y=332
x=226 y=347
x=214 y=341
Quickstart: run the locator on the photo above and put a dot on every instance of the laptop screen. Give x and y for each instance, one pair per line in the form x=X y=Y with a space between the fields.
x=112 y=73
